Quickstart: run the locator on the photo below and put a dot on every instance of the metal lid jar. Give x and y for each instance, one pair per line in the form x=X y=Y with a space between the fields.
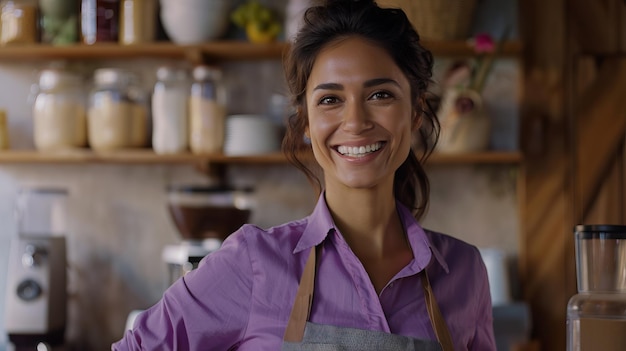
x=59 y=112
x=207 y=111
x=118 y=111
x=170 y=99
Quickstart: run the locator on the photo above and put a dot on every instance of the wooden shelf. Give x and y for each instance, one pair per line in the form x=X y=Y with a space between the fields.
x=147 y=156
x=212 y=51
x=491 y=157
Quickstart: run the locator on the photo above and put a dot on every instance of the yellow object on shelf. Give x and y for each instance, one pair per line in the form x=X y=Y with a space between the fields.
x=259 y=36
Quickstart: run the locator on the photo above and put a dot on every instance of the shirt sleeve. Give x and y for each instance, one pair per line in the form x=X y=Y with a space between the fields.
x=207 y=309
x=484 y=339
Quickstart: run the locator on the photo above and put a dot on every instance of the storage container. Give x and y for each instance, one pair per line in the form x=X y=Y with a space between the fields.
x=20 y=22
x=100 y=21
x=59 y=111
x=207 y=109
x=118 y=111
x=170 y=112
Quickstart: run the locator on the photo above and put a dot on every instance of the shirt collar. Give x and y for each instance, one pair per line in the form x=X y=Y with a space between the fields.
x=320 y=223
x=423 y=249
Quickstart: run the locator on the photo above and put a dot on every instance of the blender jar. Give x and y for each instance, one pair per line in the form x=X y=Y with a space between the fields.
x=596 y=316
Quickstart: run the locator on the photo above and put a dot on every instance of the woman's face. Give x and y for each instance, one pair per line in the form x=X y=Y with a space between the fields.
x=360 y=114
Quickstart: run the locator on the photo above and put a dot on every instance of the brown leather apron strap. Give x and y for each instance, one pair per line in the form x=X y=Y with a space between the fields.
x=304 y=299
x=436 y=318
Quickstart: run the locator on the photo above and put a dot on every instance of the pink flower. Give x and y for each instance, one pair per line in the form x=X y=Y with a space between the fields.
x=483 y=43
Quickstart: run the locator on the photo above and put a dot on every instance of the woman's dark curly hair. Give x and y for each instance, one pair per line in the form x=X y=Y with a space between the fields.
x=391 y=30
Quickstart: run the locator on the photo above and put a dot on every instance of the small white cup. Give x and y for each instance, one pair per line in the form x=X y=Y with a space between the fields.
x=498 y=273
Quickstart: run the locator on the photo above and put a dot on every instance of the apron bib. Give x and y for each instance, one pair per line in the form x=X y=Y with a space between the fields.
x=303 y=335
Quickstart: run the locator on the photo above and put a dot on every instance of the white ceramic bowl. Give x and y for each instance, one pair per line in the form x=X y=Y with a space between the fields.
x=194 y=21
x=250 y=135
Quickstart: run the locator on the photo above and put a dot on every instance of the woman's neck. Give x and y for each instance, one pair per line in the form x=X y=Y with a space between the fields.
x=367 y=219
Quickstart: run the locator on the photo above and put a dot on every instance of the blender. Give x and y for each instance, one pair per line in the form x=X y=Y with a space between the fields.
x=36 y=296
x=596 y=316
x=204 y=216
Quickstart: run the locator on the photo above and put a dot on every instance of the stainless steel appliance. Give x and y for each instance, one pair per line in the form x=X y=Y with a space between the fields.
x=36 y=296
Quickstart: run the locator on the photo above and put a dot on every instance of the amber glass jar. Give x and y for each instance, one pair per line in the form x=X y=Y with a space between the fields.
x=19 y=20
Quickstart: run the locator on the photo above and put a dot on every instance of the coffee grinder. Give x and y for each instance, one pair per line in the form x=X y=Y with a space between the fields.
x=36 y=296
x=204 y=216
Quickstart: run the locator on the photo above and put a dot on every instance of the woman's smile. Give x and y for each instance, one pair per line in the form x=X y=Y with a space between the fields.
x=359 y=151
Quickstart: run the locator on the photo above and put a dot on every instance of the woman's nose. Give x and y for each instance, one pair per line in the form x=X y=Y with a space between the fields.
x=356 y=118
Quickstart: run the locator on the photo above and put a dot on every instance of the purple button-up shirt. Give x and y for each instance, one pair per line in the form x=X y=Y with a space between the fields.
x=240 y=296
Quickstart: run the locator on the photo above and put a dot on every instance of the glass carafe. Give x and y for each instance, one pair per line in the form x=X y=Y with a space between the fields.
x=596 y=316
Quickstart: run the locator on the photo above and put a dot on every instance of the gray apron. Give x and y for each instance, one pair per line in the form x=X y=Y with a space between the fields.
x=302 y=335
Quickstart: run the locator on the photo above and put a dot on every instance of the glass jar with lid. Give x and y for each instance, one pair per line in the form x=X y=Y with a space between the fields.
x=59 y=21
x=19 y=19
x=170 y=132
x=138 y=21
x=118 y=111
x=207 y=110
x=59 y=111
x=99 y=21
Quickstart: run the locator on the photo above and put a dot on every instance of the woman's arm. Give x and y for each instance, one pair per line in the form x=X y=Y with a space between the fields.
x=207 y=309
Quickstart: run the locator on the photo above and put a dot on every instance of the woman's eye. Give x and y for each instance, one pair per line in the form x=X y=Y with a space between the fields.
x=380 y=95
x=327 y=100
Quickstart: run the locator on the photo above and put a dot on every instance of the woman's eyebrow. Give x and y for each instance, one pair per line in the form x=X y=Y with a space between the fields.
x=379 y=81
x=329 y=86
x=368 y=84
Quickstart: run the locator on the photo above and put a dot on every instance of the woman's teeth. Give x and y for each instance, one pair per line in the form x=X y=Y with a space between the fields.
x=358 y=151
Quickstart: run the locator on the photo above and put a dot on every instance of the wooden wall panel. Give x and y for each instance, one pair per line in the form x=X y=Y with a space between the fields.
x=599 y=137
x=595 y=24
x=608 y=205
x=546 y=211
x=570 y=107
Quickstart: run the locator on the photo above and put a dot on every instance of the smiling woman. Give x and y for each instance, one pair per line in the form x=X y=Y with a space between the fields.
x=359 y=273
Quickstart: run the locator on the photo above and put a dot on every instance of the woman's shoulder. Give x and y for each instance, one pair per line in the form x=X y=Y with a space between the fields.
x=446 y=240
x=453 y=249
x=283 y=237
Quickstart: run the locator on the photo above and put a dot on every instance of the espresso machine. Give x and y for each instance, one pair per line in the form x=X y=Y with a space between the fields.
x=204 y=216
x=36 y=296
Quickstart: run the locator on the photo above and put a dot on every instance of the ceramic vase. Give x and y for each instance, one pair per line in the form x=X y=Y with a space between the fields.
x=465 y=126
